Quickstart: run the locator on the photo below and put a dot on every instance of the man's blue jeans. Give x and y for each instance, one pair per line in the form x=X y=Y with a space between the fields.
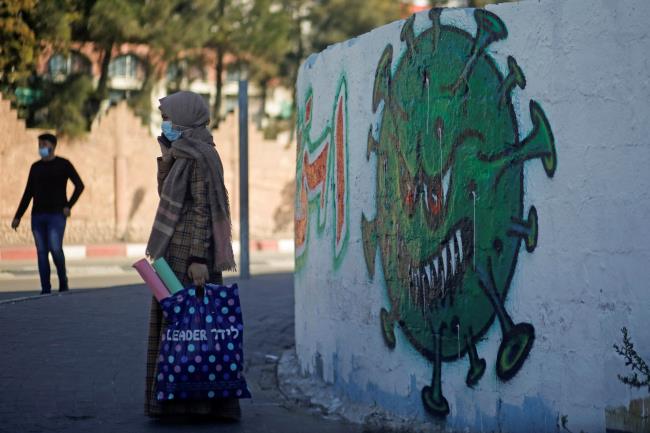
x=48 y=229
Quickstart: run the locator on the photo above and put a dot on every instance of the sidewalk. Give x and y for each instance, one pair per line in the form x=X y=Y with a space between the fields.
x=75 y=362
x=114 y=250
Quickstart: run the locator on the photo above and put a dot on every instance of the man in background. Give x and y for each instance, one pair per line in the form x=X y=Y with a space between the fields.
x=46 y=184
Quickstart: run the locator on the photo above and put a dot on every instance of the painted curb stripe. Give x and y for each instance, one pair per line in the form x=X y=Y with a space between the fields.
x=76 y=252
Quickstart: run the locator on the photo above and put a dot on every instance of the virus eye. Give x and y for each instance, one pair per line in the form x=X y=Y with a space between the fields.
x=433 y=197
x=409 y=198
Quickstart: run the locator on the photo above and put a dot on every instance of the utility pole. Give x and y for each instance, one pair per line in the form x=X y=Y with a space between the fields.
x=244 y=262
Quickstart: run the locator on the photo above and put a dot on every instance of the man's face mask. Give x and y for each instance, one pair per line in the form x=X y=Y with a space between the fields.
x=169 y=132
x=44 y=152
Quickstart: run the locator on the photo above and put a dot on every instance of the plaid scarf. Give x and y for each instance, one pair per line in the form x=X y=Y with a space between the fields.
x=194 y=145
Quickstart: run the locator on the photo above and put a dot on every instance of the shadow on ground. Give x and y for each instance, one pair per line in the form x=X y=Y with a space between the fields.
x=75 y=362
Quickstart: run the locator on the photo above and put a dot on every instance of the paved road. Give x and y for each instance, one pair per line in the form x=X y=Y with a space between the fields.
x=75 y=362
x=20 y=278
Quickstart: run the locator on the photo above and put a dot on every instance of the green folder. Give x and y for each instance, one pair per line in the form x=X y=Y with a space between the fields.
x=167 y=275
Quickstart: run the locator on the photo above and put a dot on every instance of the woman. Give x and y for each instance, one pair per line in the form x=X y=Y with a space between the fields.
x=191 y=230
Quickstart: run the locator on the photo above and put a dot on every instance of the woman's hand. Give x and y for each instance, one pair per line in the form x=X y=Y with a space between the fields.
x=165 y=148
x=199 y=274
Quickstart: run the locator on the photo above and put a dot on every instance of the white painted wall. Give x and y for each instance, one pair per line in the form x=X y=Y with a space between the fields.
x=588 y=64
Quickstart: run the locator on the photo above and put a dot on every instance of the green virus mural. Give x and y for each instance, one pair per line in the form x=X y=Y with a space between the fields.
x=449 y=217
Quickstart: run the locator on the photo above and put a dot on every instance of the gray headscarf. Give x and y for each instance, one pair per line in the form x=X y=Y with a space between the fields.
x=190 y=113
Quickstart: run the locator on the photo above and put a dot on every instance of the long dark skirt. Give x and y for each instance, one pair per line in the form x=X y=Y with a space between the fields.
x=227 y=408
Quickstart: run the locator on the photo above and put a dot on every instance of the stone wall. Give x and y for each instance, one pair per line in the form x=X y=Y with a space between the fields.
x=116 y=161
x=471 y=216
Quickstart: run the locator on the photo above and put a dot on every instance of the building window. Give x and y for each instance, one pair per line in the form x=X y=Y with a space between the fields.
x=60 y=66
x=175 y=72
x=233 y=73
x=127 y=66
x=230 y=104
x=115 y=96
x=182 y=72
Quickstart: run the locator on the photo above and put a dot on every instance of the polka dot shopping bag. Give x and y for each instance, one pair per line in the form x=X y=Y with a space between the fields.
x=201 y=354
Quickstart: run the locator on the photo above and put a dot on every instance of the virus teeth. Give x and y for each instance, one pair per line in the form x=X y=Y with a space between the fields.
x=445 y=185
x=431 y=279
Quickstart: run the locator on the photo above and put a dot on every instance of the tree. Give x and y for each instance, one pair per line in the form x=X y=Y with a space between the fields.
x=18 y=46
x=64 y=105
x=26 y=27
x=53 y=22
x=110 y=23
x=314 y=25
x=265 y=40
x=169 y=29
x=338 y=20
x=225 y=18
x=24 y=24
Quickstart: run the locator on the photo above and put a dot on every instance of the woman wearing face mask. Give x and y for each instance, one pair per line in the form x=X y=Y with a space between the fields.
x=191 y=230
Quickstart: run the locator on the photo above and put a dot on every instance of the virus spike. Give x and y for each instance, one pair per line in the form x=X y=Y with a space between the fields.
x=542 y=137
x=381 y=88
x=434 y=16
x=515 y=78
x=527 y=230
x=490 y=29
x=517 y=339
x=408 y=35
x=486 y=281
x=369 y=235
x=434 y=402
x=373 y=145
x=514 y=349
x=476 y=364
x=387 y=328
x=538 y=144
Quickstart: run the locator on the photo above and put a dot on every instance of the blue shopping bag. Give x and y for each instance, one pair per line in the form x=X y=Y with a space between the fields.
x=201 y=352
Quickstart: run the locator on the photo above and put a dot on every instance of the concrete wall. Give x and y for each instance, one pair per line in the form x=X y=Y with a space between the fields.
x=471 y=215
x=117 y=162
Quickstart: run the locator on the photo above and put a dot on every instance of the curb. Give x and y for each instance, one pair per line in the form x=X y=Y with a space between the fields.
x=31 y=298
x=131 y=250
x=54 y=293
x=302 y=389
x=22 y=299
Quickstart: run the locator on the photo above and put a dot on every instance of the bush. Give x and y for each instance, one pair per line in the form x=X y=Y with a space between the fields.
x=63 y=106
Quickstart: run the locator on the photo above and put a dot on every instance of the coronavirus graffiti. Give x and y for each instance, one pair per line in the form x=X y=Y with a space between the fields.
x=321 y=178
x=449 y=218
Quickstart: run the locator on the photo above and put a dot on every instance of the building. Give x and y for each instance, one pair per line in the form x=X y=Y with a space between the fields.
x=128 y=69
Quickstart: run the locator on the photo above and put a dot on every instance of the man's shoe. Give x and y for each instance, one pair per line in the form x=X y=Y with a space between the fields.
x=45 y=292
x=63 y=289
